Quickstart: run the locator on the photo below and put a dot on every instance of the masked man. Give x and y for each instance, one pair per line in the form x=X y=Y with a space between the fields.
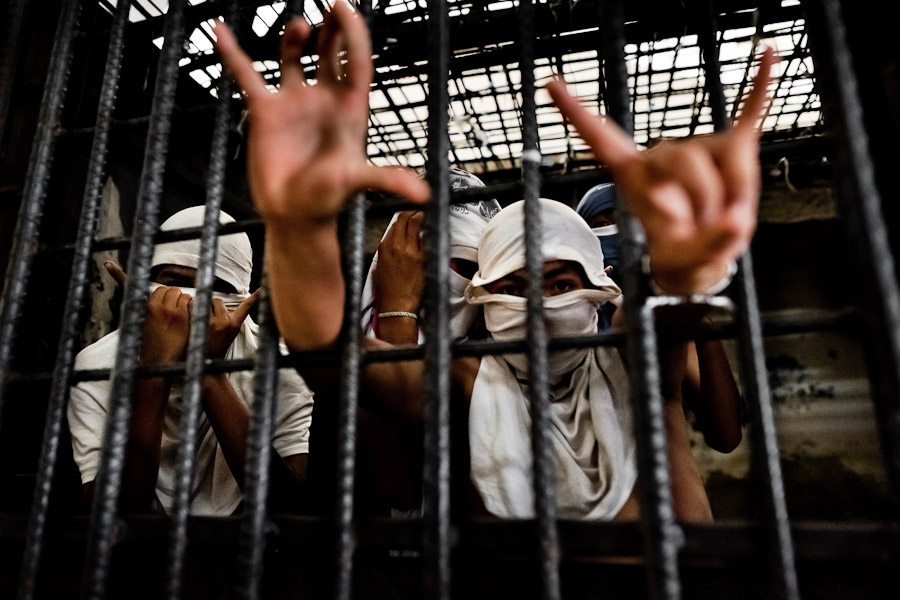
x=154 y=430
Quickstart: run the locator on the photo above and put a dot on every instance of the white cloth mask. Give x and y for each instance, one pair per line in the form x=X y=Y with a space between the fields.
x=572 y=313
x=462 y=314
x=231 y=301
x=605 y=230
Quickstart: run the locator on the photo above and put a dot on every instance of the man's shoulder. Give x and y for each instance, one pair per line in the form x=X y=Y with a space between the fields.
x=99 y=355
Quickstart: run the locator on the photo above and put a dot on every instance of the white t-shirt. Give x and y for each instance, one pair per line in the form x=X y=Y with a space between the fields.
x=215 y=491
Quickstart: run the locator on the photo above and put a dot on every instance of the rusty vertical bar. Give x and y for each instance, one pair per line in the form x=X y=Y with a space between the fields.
x=103 y=522
x=538 y=388
x=196 y=353
x=867 y=234
x=766 y=462
x=252 y=543
x=436 y=479
x=77 y=290
x=662 y=536
x=354 y=248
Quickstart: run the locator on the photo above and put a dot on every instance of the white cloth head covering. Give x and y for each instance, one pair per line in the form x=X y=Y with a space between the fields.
x=215 y=491
x=234 y=262
x=590 y=413
x=467 y=223
x=565 y=237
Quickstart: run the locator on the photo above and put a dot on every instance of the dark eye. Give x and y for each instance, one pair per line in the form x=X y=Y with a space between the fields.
x=509 y=289
x=563 y=285
x=602 y=223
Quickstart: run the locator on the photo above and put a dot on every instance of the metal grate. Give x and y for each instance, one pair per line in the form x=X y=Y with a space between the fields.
x=658 y=80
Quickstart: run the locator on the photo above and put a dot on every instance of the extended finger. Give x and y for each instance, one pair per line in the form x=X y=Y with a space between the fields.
x=358 y=44
x=116 y=271
x=692 y=168
x=326 y=48
x=292 y=42
x=613 y=147
x=243 y=309
x=394 y=180
x=758 y=98
x=238 y=63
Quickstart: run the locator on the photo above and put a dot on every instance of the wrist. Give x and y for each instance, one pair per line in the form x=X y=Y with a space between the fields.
x=398 y=305
x=709 y=279
x=158 y=357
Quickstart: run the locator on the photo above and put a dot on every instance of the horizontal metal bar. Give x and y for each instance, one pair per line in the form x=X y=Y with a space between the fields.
x=852 y=542
x=142 y=120
x=774 y=324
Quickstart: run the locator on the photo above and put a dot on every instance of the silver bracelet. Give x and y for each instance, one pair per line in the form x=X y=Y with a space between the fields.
x=398 y=313
x=713 y=290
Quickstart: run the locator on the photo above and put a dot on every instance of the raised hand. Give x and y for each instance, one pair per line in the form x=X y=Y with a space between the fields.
x=696 y=199
x=306 y=147
x=224 y=325
x=399 y=277
x=167 y=324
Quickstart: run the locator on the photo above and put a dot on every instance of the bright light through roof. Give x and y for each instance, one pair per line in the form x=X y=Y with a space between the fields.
x=665 y=81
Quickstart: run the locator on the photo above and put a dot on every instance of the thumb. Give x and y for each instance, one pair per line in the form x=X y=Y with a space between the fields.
x=243 y=309
x=116 y=272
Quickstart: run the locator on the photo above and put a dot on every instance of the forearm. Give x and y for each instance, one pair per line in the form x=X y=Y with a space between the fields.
x=142 y=450
x=230 y=420
x=399 y=329
x=394 y=389
x=305 y=282
x=719 y=399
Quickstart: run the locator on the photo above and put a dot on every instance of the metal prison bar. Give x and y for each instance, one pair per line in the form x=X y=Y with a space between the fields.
x=662 y=537
x=194 y=362
x=765 y=446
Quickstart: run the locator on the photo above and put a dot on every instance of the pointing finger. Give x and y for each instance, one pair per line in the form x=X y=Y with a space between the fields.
x=243 y=309
x=758 y=98
x=115 y=270
x=613 y=147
